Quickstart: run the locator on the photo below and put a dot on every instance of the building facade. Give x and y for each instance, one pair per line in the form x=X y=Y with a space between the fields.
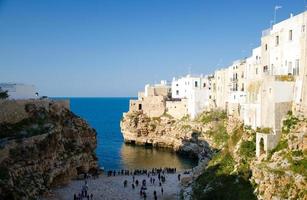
x=19 y=91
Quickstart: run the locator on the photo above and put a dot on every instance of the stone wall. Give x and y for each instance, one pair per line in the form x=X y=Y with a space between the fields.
x=135 y=105
x=12 y=111
x=281 y=110
x=269 y=142
x=177 y=109
x=154 y=106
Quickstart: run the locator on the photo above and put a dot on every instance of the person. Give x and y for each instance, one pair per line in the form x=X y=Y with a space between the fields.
x=133 y=186
x=137 y=183
x=179 y=177
x=75 y=196
x=141 y=193
x=162 y=191
x=125 y=183
x=144 y=195
x=92 y=196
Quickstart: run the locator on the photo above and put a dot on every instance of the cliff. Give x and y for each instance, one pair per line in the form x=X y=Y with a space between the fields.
x=183 y=136
x=48 y=146
x=283 y=174
x=230 y=169
x=235 y=173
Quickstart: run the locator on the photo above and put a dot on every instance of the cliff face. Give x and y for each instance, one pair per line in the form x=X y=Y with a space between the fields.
x=231 y=169
x=47 y=148
x=283 y=175
x=178 y=135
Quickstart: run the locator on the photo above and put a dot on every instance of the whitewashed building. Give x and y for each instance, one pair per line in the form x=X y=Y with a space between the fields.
x=19 y=91
x=196 y=89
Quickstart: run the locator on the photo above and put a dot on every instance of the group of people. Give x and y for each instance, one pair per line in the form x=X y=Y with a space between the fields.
x=84 y=195
x=141 y=171
x=155 y=176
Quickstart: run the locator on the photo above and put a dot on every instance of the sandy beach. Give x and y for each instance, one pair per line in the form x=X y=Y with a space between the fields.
x=112 y=188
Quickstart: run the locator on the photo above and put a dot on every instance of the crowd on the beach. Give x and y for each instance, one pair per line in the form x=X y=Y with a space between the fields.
x=154 y=177
x=84 y=195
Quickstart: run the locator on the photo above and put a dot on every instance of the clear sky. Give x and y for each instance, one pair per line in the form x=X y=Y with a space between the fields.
x=114 y=47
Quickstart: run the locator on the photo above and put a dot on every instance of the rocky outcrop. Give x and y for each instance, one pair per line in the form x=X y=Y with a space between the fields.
x=45 y=149
x=182 y=136
x=230 y=169
x=283 y=174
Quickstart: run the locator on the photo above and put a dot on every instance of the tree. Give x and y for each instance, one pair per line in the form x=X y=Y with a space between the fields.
x=3 y=94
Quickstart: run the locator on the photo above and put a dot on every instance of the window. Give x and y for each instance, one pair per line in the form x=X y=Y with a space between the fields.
x=290 y=35
x=177 y=92
x=242 y=89
x=277 y=40
x=196 y=84
x=256 y=70
x=303 y=28
x=296 y=70
x=266 y=47
x=140 y=106
x=204 y=85
x=265 y=68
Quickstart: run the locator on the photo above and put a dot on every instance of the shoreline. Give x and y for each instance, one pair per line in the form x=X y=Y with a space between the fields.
x=112 y=187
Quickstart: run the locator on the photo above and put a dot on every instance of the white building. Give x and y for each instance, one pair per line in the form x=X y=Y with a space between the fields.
x=19 y=91
x=196 y=89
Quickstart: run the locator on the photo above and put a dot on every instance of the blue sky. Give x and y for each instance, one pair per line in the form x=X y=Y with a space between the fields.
x=114 y=47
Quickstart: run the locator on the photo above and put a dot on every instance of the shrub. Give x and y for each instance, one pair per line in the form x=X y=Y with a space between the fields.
x=3 y=94
x=207 y=117
x=266 y=130
x=289 y=123
x=282 y=144
x=220 y=135
x=247 y=149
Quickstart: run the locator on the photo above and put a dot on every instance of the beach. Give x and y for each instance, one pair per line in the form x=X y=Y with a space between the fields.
x=112 y=188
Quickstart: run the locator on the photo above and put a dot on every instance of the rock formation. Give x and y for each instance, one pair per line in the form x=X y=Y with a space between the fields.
x=181 y=136
x=230 y=169
x=45 y=149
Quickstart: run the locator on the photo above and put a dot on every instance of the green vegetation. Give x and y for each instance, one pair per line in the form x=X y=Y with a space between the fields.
x=167 y=115
x=289 y=123
x=158 y=119
x=298 y=162
x=282 y=144
x=28 y=127
x=207 y=117
x=3 y=94
x=264 y=130
x=220 y=179
x=185 y=118
x=247 y=149
x=219 y=182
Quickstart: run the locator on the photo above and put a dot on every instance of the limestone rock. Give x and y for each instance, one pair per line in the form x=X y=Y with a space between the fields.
x=45 y=149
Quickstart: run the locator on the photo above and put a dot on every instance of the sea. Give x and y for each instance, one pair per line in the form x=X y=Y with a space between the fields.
x=104 y=115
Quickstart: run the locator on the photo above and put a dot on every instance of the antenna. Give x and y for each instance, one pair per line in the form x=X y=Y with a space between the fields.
x=275 y=12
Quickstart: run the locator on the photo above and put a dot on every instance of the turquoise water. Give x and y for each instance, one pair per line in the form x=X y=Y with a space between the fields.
x=104 y=114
